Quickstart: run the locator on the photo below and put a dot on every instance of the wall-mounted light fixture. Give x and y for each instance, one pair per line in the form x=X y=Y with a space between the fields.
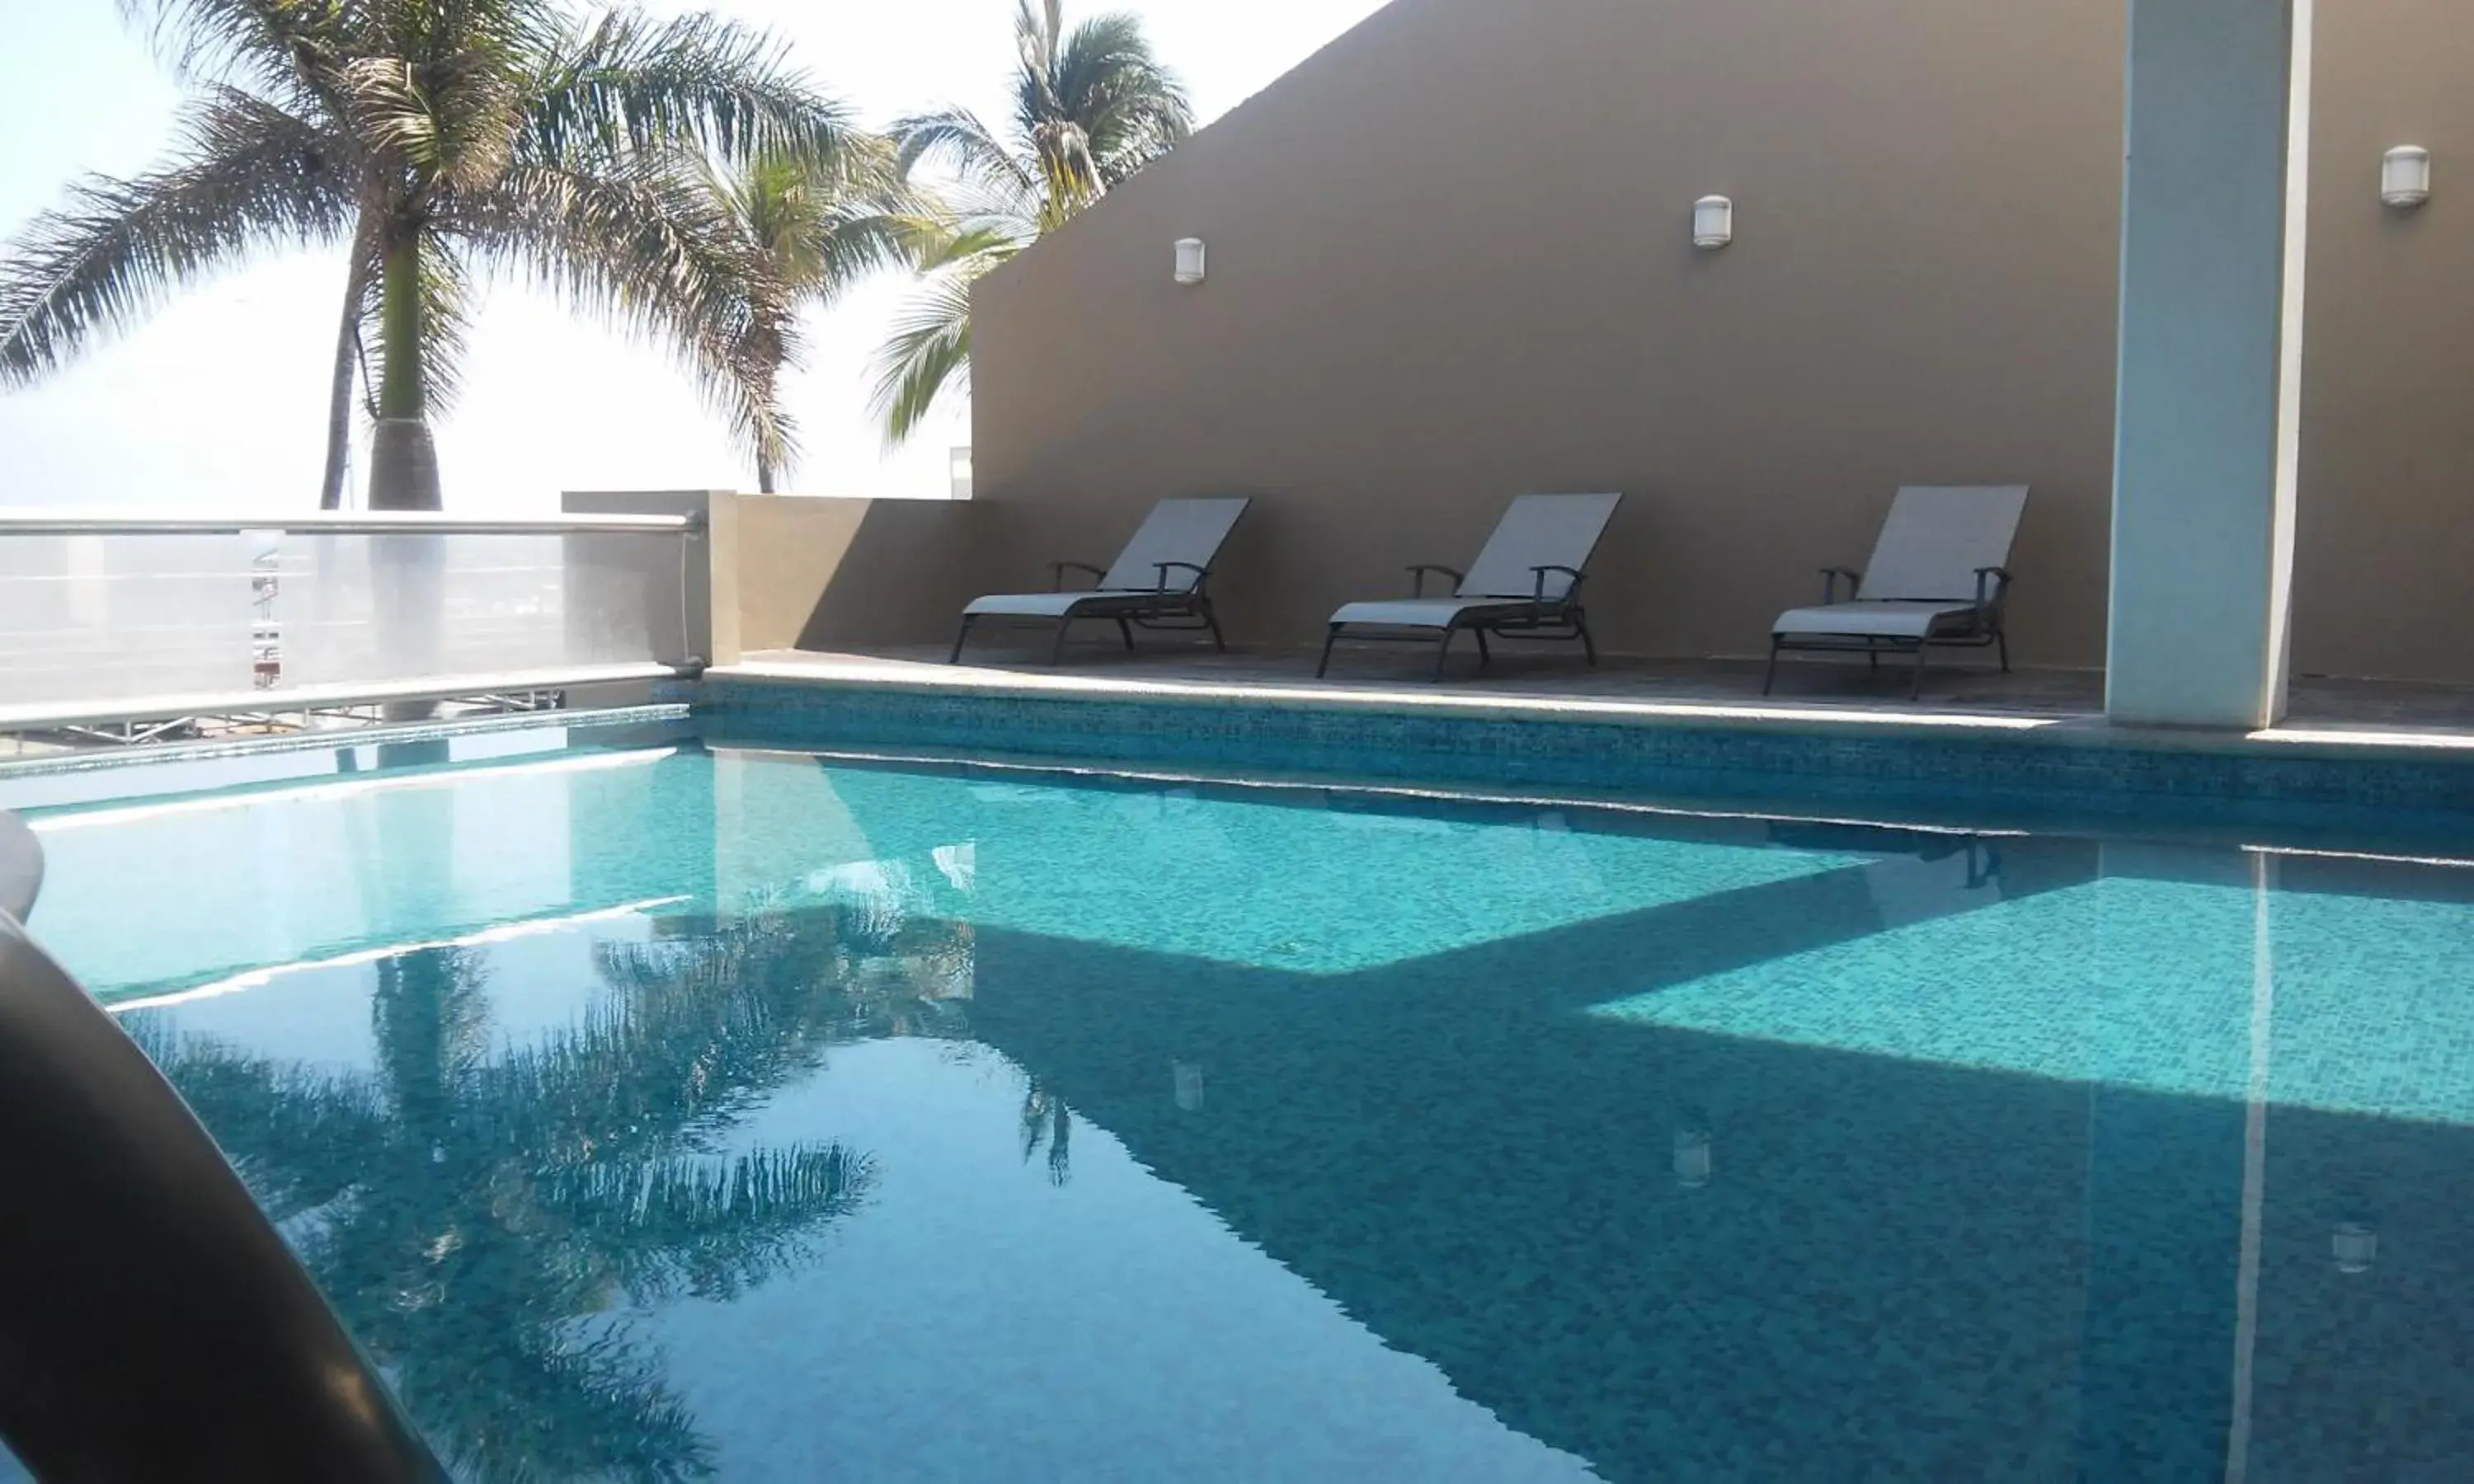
x=1189 y=260
x=1713 y=222
x=2405 y=177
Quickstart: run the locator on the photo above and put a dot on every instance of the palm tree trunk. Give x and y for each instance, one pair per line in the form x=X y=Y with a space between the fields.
x=339 y=396
x=402 y=387
x=403 y=462
x=763 y=475
x=407 y=573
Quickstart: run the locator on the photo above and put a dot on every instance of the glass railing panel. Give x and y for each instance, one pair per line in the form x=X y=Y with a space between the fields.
x=364 y=608
x=110 y=618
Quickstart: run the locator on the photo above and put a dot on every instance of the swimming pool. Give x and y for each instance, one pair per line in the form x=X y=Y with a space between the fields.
x=653 y=1108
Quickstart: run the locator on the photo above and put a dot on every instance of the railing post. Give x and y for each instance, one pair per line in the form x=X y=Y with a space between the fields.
x=708 y=563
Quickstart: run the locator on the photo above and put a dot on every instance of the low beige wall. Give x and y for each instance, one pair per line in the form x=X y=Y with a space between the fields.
x=2383 y=529
x=830 y=573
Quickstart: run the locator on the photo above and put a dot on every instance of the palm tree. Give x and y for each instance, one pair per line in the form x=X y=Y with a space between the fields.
x=1089 y=109
x=436 y=141
x=807 y=230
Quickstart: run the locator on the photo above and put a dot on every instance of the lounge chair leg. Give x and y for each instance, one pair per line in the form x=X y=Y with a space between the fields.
x=1769 y=678
x=1127 y=630
x=955 y=658
x=1057 y=655
x=1589 y=645
x=1444 y=651
x=2002 y=642
x=1484 y=656
x=1328 y=640
x=1916 y=690
x=1873 y=658
x=1212 y=621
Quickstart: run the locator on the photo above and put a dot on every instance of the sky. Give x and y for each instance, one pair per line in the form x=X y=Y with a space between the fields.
x=218 y=403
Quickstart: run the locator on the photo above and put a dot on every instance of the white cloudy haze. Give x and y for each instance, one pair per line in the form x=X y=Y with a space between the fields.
x=219 y=402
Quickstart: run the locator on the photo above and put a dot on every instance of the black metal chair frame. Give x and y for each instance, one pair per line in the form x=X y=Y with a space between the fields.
x=1160 y=610
x=1536 y=616
x=1983 y=627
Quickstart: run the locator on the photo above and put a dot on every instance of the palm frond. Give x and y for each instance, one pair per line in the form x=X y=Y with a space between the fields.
x=539 y=1400
x=455 y=131
x=642 y=246
x=310 y=1128
x=628 y=85
x=279 y=46
x=1089 y=109
x=930 y=349
x=1038 y=29
x=957 y=140
x=817 y=228
x=980 y=244
x=248 y=175
x=1131 y=108
x=711 y=1227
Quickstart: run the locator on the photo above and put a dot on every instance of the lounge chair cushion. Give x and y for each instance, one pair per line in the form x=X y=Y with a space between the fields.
x=1057 y=604
x=1177 y=531
x=1426 y=612
x=1540 y=529
x=1888 y=619
x=1936 y=537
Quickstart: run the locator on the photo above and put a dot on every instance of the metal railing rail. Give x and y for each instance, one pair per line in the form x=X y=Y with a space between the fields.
x=343 y=523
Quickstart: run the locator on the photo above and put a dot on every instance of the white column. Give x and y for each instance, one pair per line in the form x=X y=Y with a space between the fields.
x=2214 y=196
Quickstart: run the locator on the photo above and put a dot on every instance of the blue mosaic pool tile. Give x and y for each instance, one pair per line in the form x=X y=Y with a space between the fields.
x=2084 y=774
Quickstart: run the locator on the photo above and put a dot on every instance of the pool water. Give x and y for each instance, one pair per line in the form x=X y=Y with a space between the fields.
x=664 y=1111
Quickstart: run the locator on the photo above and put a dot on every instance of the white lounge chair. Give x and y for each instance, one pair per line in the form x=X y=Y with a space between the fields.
x=1525 y=585
x=1161 y=581
x=1940 y=575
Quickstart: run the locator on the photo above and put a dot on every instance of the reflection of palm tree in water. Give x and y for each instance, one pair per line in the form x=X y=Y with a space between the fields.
x=1047 y=1122
x=477 y=1219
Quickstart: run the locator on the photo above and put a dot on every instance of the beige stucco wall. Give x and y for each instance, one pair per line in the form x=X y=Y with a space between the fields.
x=830 y=573
x=2383 y=553
x=1451 y=261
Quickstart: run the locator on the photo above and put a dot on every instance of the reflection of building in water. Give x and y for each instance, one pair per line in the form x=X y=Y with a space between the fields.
x=1187 y=1078
x=1909 y=1266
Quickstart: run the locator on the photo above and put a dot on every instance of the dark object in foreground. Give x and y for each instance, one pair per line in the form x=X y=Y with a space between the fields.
x=152 y=1325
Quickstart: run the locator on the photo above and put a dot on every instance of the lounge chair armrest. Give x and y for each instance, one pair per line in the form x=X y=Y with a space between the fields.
x=1417 y=575
x=1830 y=576
x=1537 y=600
x=1202 y=574
x=1058 y=570
x=1577 y=576
x=1992 y=587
